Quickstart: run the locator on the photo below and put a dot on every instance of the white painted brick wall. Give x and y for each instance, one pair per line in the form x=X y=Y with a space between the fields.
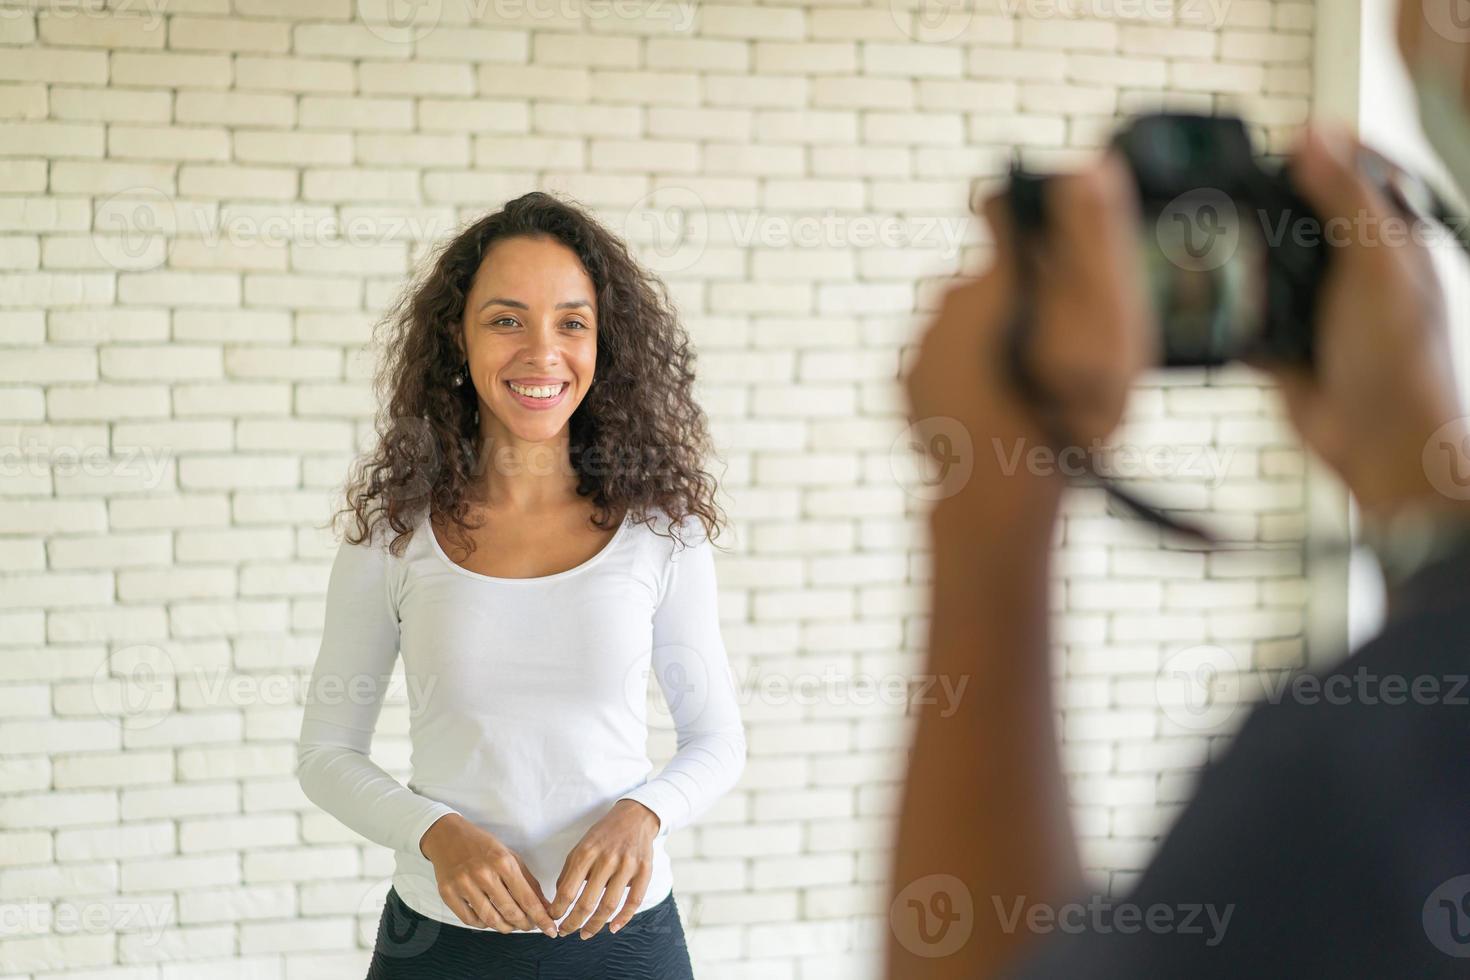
x=182 y=385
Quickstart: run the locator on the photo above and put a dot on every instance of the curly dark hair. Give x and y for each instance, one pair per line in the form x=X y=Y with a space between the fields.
x=637 y=441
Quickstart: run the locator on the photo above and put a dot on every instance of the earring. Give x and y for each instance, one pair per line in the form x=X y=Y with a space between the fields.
x=458 y=378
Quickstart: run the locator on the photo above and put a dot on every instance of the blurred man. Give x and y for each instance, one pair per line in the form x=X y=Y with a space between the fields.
x=1333 y=839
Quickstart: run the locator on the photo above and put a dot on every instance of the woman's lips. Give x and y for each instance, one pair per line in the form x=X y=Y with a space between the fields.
x=536 y=404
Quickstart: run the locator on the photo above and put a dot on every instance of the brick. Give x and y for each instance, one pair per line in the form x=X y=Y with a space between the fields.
x=424 y=78
x=565 y=119
x=15 y=29
x=22 y=100
x=701 y=54
x=40 y=65
x=347 y=41
x=858 y=25
x=171 y=69
x=805 y=58
x=912 y=60
x=306 y=75
x=478 y=115
x=360 y=184
x=238 y=183
x=228 y=34
x=51 y=139
x=120 y=30
x=168 y=142
x=235 y=109
x=757 y=23
x=324 y=112
x=646 y=87
x=111 y=105
x=474 y=44
x=1212 y=77
x=585 y=51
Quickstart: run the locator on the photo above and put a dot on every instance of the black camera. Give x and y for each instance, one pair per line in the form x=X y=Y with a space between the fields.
x=1233 y=254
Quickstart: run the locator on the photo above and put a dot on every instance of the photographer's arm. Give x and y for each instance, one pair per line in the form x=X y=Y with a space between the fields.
x=985 y=800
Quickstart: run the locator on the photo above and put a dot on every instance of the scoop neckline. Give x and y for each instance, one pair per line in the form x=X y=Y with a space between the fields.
x=428 y=527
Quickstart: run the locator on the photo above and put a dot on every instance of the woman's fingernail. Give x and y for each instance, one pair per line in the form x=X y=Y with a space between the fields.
x=614 y=929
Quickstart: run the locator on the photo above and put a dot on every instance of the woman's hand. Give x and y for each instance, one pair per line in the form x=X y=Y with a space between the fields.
x=615 y=853
x=482 y=881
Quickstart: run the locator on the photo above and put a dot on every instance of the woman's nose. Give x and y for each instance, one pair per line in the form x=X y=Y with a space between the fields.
x=541 y=344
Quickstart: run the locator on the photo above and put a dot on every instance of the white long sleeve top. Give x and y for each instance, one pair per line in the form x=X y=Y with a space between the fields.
x=527 y=698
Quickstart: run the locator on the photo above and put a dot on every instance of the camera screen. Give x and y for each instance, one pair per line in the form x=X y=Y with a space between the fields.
x=1206 y=271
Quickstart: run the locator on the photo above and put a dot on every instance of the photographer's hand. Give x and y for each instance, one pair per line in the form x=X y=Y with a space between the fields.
x=1089 y=337
x=1382 y=382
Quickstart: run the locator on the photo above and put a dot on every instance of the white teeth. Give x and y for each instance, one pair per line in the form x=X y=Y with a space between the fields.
x=536 y=391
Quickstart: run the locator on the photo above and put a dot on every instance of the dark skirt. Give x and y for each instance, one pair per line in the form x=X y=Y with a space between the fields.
x=412 y=946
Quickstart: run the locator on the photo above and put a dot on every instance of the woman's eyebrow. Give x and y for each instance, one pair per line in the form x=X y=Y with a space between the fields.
x=517 y=304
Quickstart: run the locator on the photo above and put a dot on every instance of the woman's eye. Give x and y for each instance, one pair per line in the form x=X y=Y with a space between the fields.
x=504 y=319
x=577 y=323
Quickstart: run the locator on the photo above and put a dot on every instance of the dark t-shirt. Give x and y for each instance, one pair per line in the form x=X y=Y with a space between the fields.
x=1334 y=833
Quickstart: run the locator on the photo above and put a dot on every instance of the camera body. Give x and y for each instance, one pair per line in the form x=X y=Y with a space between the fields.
x=1233 y=255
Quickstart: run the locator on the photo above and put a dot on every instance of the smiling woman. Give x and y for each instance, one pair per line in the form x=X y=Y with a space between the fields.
x=575 y=559
x=536 y=293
